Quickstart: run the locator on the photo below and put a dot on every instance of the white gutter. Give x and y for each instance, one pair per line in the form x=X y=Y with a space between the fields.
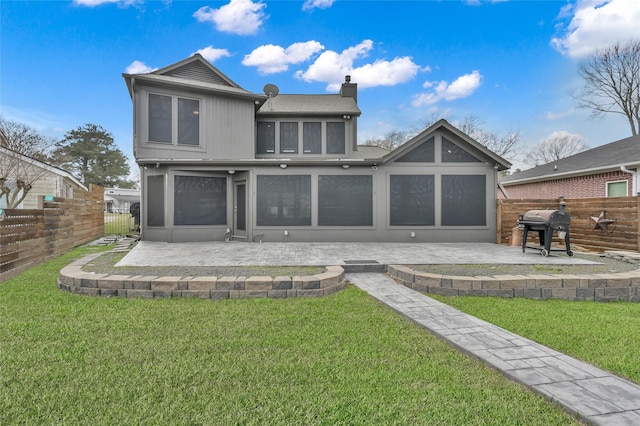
x=634 y=181
x=503 y=190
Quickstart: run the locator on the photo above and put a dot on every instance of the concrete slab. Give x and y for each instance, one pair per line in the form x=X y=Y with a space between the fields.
x=148 y=253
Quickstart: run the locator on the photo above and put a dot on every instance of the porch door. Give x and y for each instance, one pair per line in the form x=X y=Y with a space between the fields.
x=240 y=209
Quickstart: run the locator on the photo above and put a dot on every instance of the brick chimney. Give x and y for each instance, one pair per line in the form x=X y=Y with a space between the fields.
x=348 y=89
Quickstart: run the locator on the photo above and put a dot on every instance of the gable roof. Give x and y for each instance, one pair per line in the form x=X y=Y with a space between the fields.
x=196 y=68
x=48 y=167
x=194 y=73
x=310 y=104
x=624 y=152
x=476 y=148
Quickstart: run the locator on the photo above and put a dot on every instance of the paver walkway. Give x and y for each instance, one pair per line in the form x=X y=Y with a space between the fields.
x=590 y=393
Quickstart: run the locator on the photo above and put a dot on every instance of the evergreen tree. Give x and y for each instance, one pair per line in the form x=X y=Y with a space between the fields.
x=90 y=153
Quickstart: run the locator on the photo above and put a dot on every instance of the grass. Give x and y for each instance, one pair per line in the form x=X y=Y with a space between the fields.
x=118 y=224
x=604 y=334
x=342 y=359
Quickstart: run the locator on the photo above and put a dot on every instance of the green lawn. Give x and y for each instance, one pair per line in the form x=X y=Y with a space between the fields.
x=343 y=359
x=118 y=223
x=604 y=334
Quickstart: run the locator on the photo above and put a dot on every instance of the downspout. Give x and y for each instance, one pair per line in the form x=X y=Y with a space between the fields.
x=503 y=190
x=634 y=181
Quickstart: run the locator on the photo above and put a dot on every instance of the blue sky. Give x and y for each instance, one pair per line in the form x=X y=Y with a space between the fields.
x=511 y=63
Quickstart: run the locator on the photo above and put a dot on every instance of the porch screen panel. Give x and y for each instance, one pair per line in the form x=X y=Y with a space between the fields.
x=283 y=200
x=155 y=200
x=345 y=200
x=335 y=138
x=312 y=138
x=200 y=200
x=188 y=122
x=452 y=153
x=423 y=153
x=412 y=201
x=160 y=118
x=266 y=134
x=464 y=200
x=288 y=138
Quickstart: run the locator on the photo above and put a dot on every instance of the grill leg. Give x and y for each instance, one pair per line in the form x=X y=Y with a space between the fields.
x=548 y=236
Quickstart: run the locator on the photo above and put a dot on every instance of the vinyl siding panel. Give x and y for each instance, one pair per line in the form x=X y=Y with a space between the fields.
x=227 y=129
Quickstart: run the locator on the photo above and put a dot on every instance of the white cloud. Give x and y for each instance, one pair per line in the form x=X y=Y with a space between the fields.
x=461 y=87
x=212 y=54
x=137 y=67
x=331 y=67
x=561 y=134
x=552 y=116
x=597 y=24
x=243 y=17
x=92 y=3
x=270 y=59
x=320 y=4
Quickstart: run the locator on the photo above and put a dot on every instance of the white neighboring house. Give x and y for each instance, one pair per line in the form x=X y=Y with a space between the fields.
x=50 y=180
x=119 y=200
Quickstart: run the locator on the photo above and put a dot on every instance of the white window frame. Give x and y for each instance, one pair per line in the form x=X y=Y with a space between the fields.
x=626 y=187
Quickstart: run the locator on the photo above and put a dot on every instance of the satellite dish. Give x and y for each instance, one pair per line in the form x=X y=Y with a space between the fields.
x=271 y=90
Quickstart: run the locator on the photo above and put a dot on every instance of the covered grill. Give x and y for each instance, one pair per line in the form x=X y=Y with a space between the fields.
x=546 y=222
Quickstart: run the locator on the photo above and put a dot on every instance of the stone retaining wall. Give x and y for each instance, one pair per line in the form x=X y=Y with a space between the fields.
x=597 y=287
x=73 y=279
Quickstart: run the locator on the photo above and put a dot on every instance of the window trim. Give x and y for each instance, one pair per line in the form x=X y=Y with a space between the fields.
x=300 y=152
x=174 y=122
x=626 y=187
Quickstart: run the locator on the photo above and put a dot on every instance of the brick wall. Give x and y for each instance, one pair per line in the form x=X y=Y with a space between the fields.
x=591 y=186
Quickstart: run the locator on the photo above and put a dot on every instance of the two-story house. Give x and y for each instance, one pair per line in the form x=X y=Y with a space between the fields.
x=219 y=162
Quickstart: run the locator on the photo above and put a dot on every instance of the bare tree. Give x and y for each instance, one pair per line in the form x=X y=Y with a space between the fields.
x=555 y=147
x=508 y=145
x=391 y=139
x=612 y=83
x=17 y=176
x=18 y=165
x=25 y=140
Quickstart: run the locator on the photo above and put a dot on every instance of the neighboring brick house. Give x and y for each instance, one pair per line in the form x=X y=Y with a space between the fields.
x=609 y=170
x=219 y=162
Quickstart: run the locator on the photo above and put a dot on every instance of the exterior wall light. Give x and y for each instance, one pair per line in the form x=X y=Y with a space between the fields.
x=231 y=172
x=346 y=117
x=283 y=166
x=345 y=166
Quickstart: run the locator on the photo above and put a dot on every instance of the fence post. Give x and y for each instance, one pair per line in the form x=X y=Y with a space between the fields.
x=499 y=221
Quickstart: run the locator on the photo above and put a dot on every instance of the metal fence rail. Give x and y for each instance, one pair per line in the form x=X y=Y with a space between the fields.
x=121 y=222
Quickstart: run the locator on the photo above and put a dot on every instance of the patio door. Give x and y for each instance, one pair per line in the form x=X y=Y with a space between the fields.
x=240 y=209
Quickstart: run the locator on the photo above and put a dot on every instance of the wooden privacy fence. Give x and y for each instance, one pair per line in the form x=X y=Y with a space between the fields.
x=622 y=233
x=28 y=237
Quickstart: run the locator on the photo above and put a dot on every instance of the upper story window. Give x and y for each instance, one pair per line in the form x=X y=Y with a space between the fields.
x=266 y=137
x=312 y=138
x=300 y=137
x=288 y=137
x=174 y=120
x=335 y=137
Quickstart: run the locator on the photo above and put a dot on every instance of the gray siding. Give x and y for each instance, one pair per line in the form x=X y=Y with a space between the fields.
x=227 y=128
x=197 y=71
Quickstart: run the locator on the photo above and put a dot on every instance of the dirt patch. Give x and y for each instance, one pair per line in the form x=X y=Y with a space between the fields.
x=105 y=264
